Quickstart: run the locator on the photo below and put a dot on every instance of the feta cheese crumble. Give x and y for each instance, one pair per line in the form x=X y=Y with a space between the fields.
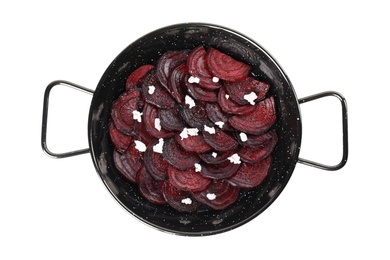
x=227 y=96
x=250 y=97
x=137 y=115
x=193 y=79
x=220 y=124
x=243 y=137
x=211 y=130
x=211 y=196
x=157 y=124
x=235 y=158
x=186 y=201
x=198 y=167
x=140 y=146
x=151 y=89
x=189 y=101
x=188 y=132
x=215 y=79
x=157 y=148
x=214 y=154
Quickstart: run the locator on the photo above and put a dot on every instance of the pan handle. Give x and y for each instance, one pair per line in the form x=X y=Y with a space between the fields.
x=345 y=131
x=45 y=113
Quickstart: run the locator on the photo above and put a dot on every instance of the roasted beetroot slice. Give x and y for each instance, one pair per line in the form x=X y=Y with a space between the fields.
x=154 y=93
x=197 y=67
x=129 y=108
x=259 y=120
x=150 y=115
x=176 y=82
x=155 y=162
x=218 y=195
x=167 y=62
x=215 y=157
x=181 y=200
x=241 y=91
x=251 y=175
x=135 y=78
x=199 y=93
x=150 y=188
x=171 y=120
x=258 y=140
x=252 y=155
x=188 y=180
x=232 y=107
x=129 y=163
x=195 y=116
x=116 y=114
x=220 y=140
x=217 y=116
x=219 y=171
x=225 y=67
x=177 y=157
x=194 y=143
x=119 y=139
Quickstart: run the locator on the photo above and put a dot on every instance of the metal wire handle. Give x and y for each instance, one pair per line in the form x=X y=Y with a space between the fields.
x=45 y=114
x=344 y=114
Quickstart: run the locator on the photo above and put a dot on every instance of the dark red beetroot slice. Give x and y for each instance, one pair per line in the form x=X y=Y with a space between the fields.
x=155 y=162
x=150 y=188
x=195 y=116
x=258 y=121
x=197 y=67
x=225 y=67
x=193 y=143
x=188 y=180
x=177 y=157
x=219 y=171
x=150 y=114
x=215 y=157
x=220 y=140
x=167 y=62
x=119 y=139
x=238 y=90
x=251 y=155
x=216 y=115
x=154 y=93
x=251 y=175
x=142 y=134
x=135 y=78
x=199 y=93
x=129 y=108
x=176 y=82
x=129 y=163
x=231 y=107
x=171 y=120
x=116 y=114
x=258 y=140
x=181 y=200
x=218 y=195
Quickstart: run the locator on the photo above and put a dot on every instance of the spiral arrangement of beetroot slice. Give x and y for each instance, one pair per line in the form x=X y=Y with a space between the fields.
x=193 y=129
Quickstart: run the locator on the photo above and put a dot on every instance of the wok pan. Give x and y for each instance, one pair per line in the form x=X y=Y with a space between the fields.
x=250 y=203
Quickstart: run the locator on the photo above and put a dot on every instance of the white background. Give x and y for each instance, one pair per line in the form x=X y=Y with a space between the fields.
x=59 y=208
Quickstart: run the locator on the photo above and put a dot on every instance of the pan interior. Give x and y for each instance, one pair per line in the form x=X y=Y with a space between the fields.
x=146 y=50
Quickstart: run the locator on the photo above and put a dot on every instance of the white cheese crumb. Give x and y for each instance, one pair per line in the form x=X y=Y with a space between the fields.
x=220 y=124
x=214 y=154
x=140 y=146
x=189 y=101
x=211 y=196
x=193 y=79
x=157 y=124
x=211 y=130
x=188 y=131
x=235 y=158
x=243 y=137
x=137 y=115
x=187 y=201
x=157 y=148
x=251 y=97
x=151 y=89
x=227 y=96
x=198 y=167
x=215 y=79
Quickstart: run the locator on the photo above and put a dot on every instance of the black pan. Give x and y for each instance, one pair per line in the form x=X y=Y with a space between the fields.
x=250 y=203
